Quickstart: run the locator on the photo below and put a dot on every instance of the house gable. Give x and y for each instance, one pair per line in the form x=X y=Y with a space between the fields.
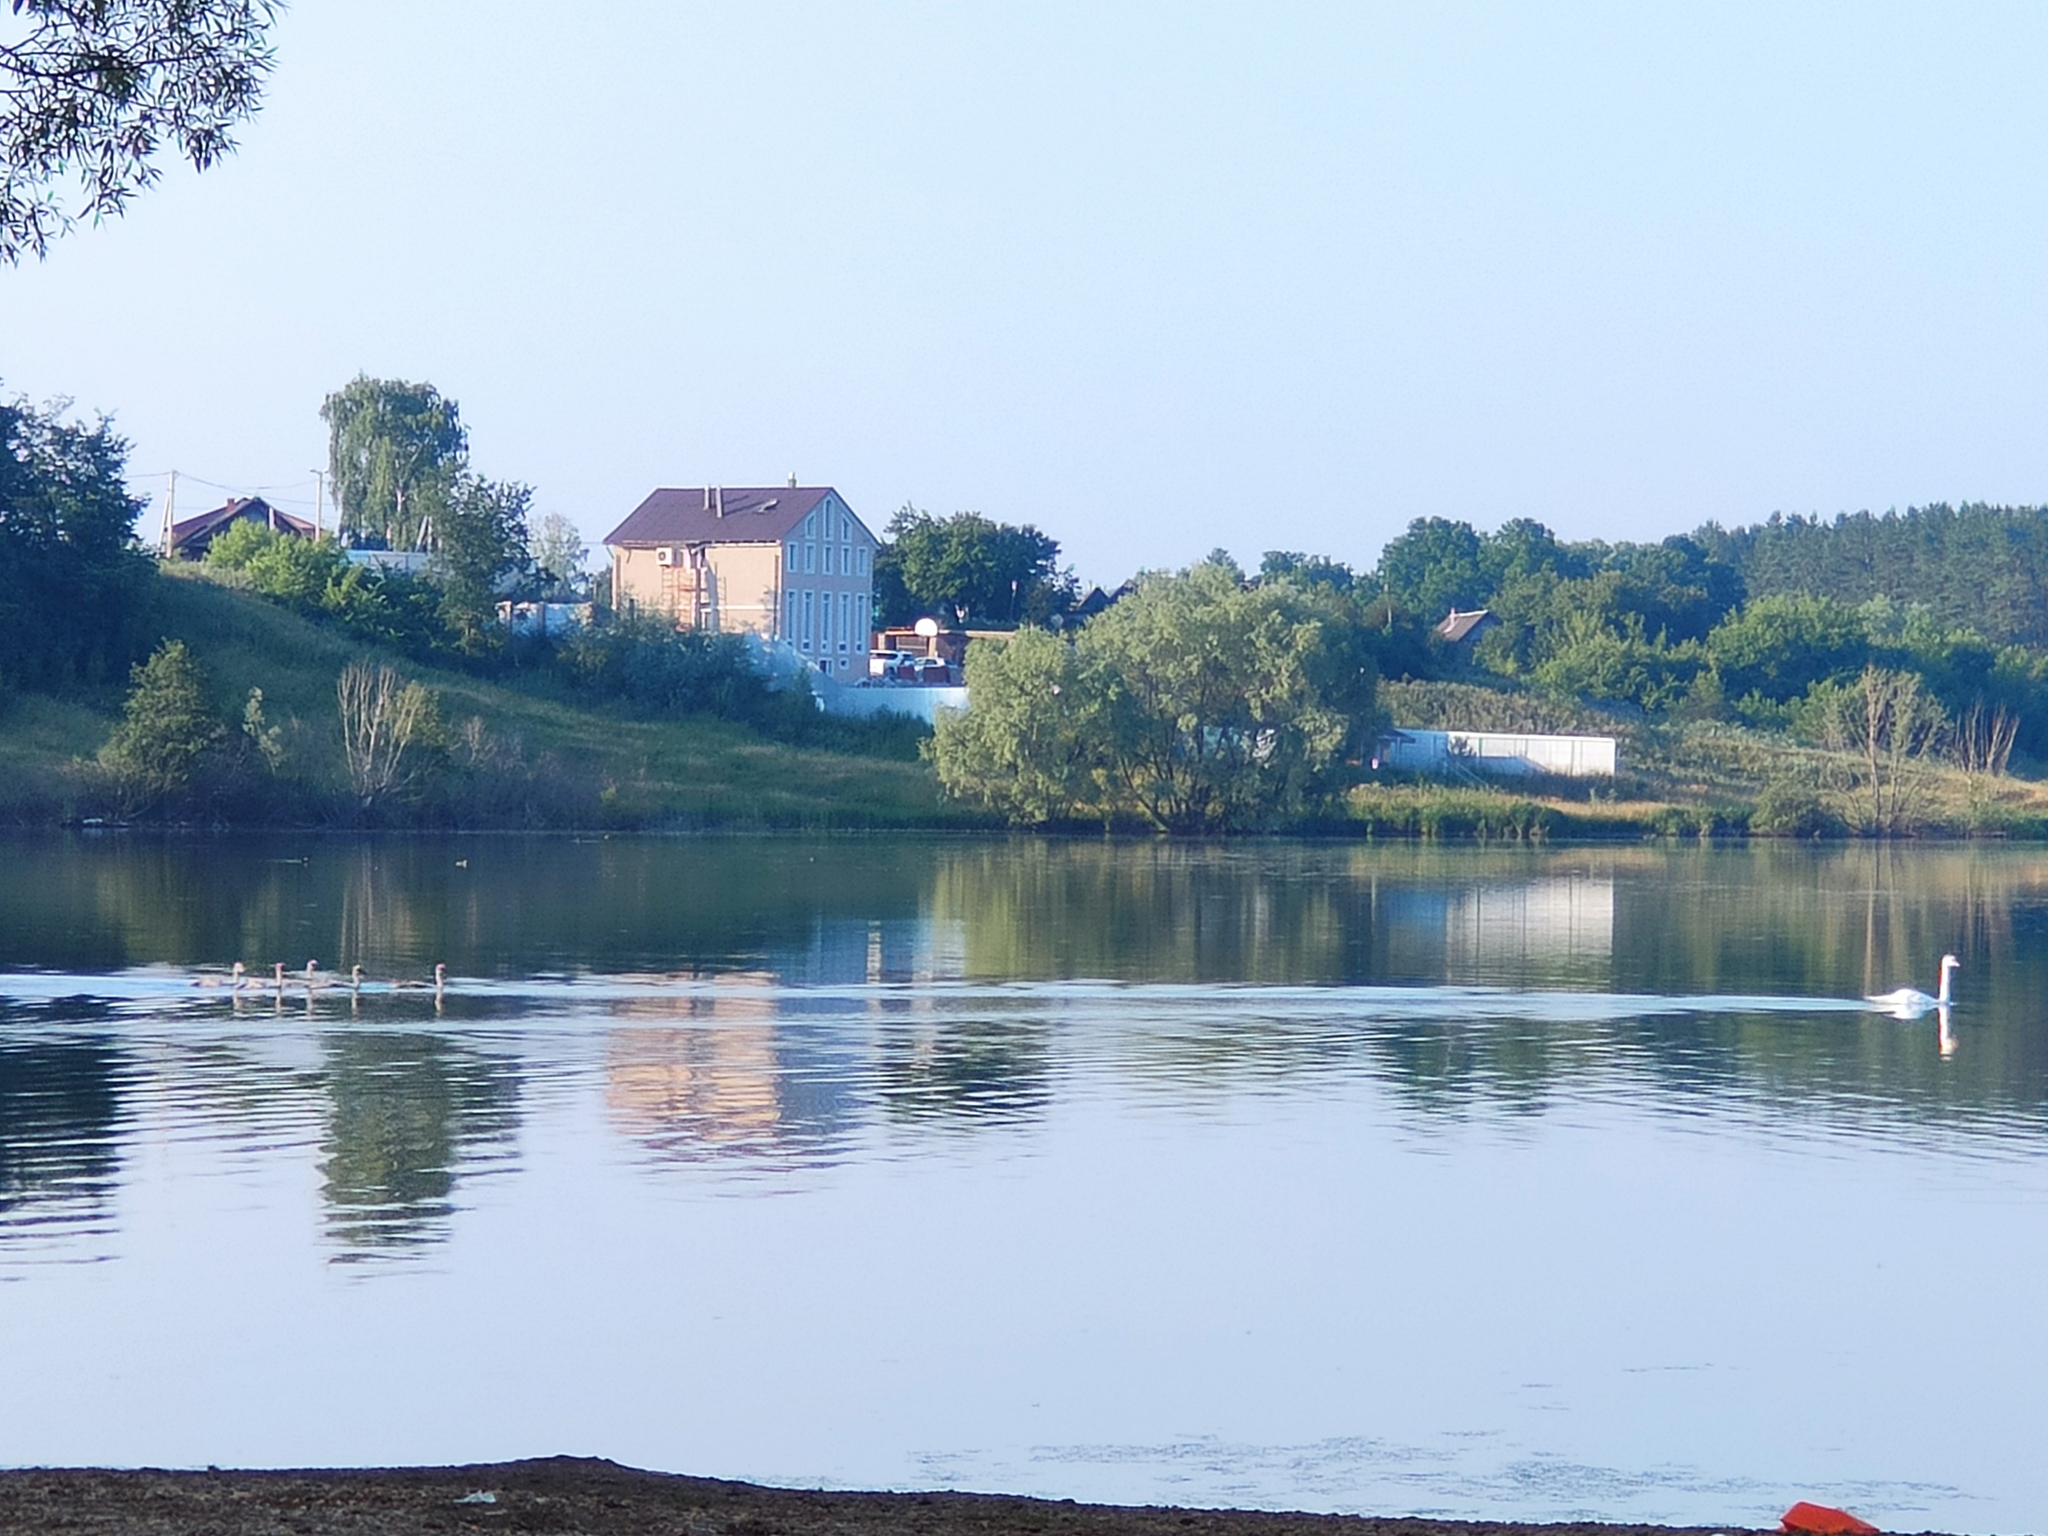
x=191 y=538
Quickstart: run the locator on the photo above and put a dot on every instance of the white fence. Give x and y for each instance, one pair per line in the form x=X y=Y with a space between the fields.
x=861 y=699
x=1503 y=754
x=862 y=702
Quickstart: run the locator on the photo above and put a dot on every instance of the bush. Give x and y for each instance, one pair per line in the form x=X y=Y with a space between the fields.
x=656 y=669
x=1792 y=808
x=316 y=579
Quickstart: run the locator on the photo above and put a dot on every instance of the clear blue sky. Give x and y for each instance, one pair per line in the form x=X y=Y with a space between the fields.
x=1154 y=277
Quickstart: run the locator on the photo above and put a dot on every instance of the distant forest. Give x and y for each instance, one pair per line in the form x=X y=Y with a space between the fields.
x=1774 y=625
x=1978 y=567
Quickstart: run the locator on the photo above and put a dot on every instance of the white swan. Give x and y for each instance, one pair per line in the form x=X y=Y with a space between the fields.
x=1910 y=1002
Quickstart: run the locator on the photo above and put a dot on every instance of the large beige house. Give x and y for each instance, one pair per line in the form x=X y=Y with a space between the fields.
x=786 y=563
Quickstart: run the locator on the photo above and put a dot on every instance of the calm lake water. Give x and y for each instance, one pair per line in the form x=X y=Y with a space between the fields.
x=1529 y=1184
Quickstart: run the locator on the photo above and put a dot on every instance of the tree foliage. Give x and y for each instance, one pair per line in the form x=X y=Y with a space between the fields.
x=396 y=452
x=91 y=90
x=166 y=727
x=559 y=550
x=1198 y=703
x=74 y=591
x=1979 y=567
x=480 y=539
x=1779 y=647
x=1034 y=745
x=966 y=568
x=317 y=579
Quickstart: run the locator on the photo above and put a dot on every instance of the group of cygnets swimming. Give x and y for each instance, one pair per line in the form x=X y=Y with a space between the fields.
x=313 y=979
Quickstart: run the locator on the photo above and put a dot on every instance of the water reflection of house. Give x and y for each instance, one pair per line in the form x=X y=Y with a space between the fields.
x=768 y=1062
x=739 y=1071
x=1504 y=930
x=1500 y=929
x=868 y=952
x=683 y=1090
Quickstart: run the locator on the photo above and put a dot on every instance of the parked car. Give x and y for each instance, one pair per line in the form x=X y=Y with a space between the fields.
x=898 y=666
x=934 y=673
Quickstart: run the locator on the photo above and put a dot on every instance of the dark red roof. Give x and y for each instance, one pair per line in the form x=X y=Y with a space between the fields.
x=242 y=508
x=753 y=515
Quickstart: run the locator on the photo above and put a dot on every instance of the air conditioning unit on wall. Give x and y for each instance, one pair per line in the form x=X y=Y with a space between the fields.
x=664 y=556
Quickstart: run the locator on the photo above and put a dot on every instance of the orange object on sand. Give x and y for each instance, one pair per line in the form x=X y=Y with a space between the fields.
x=1820 y=1520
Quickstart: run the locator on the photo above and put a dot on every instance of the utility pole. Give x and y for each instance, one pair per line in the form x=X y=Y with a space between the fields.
x=319 y=501
x=170 y=515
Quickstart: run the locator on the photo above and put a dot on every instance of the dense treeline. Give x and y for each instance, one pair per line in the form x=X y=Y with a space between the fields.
x=1763 y=626
x=1819 y=633
x=1975 y=567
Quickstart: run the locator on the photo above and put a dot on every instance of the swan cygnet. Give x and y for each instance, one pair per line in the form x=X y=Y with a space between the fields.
x=439 y=983
x=1910 y=1002
x=232 y=981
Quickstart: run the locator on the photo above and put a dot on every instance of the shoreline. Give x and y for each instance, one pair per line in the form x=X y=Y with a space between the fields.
x=585 y=1496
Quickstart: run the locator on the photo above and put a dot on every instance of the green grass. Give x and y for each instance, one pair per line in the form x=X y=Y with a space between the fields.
x=560 y=764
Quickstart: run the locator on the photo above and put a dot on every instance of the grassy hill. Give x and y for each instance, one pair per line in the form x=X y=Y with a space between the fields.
x=1680 y=778
x=517 y=758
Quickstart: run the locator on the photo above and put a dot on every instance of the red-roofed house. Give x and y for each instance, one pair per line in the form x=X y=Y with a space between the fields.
x=786 y=563
x=190 y=538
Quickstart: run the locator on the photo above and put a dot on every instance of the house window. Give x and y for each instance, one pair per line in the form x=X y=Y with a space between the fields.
x=792 y=557
x=828 y=559
x=807 y=620
x=810 y=557
x=789 y=604
x=863 y=559
x=845 y=612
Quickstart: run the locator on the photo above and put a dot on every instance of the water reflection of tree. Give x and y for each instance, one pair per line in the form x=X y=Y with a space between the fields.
x=969 y=1072
x=60 y=1106
x=1151 y=911
x=1840 y=923
x=406 y=1113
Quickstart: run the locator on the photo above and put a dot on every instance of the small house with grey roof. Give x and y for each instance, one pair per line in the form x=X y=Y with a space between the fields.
x=1466 y=628
x=789 y=563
